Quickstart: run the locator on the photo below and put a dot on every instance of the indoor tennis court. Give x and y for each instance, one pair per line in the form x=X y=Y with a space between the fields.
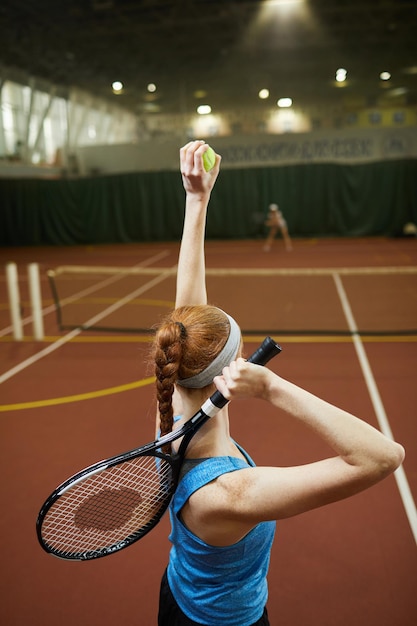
x=345 y=313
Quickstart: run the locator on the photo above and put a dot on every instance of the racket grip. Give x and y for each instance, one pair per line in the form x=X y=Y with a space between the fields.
x=266 y=351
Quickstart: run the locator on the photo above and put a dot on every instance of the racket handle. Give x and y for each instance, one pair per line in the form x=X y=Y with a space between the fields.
x=266 y=351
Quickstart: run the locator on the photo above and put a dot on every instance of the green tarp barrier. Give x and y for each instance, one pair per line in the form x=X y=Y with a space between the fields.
x=316 y=199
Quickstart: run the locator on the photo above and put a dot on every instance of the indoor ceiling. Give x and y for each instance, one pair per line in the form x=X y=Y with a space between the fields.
x=220 y=52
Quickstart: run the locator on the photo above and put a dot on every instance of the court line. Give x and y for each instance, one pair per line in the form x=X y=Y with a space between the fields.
x=399 y=474
x=79 y=397
x=239 y=271
x=66 y=338
x=145 y=338
x=109 y=300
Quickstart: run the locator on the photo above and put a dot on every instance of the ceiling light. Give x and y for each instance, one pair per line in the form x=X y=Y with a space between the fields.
x=263 y=94
x=204 y=109
x=151 y=87
x=385 y=76
x=341 y=74
x=117 y=86
x=284 y=103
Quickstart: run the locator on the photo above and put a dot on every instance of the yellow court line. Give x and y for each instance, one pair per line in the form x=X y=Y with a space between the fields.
x=137 y=301
x=334 y=338
x=127 y=338
x=77 y=397
x=85 y=339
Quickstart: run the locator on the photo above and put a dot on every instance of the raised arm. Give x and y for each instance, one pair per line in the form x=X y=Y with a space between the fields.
x=191 y=280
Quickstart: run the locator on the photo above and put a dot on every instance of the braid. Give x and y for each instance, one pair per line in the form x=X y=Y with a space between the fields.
x=168 y=353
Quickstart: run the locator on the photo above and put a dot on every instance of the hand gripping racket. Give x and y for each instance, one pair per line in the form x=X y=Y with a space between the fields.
x=109 y=505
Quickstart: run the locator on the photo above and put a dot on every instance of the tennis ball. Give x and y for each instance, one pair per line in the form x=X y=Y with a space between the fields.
x=209 y=159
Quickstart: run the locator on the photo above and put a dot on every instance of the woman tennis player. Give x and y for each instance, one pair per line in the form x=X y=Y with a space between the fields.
x=276 y=223
x=224 y=511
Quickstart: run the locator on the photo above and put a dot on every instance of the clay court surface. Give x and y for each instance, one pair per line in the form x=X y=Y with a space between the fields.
x=345 y=314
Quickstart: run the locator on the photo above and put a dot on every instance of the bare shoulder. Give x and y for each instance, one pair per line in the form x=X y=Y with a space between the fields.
x=213 y=512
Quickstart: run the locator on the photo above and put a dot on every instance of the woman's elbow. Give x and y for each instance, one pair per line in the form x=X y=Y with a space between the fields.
x=393 y=459
x=399 y=455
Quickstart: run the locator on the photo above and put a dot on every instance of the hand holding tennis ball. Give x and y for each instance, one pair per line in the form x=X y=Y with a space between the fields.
x=209 y=159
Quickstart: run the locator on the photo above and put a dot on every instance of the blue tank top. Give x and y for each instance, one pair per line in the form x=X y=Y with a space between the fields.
x=218 y=585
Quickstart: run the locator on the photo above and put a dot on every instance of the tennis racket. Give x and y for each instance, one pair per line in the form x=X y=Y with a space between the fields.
x=109 y=505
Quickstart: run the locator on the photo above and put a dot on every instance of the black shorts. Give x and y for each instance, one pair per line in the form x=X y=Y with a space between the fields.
x=170 y=613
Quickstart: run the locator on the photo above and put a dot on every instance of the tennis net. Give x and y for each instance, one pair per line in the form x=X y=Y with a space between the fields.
x=335 y=301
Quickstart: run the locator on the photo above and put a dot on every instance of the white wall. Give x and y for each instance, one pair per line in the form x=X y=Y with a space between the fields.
x=356 y=146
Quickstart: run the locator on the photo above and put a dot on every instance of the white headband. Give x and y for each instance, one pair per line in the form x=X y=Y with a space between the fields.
x=224 y=358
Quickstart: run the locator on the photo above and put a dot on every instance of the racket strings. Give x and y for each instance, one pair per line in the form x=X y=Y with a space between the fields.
x=105 y=509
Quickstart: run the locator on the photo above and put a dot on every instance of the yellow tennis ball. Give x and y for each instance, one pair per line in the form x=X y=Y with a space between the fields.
x=209 y=159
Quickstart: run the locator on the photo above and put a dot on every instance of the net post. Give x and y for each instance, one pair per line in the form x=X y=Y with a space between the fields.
x=35 y=301
x=14 y=300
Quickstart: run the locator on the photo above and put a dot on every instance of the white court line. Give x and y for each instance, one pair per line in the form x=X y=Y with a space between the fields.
x=93 y=320
x=250 y=271
x=399 y=474
x=88 y=291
